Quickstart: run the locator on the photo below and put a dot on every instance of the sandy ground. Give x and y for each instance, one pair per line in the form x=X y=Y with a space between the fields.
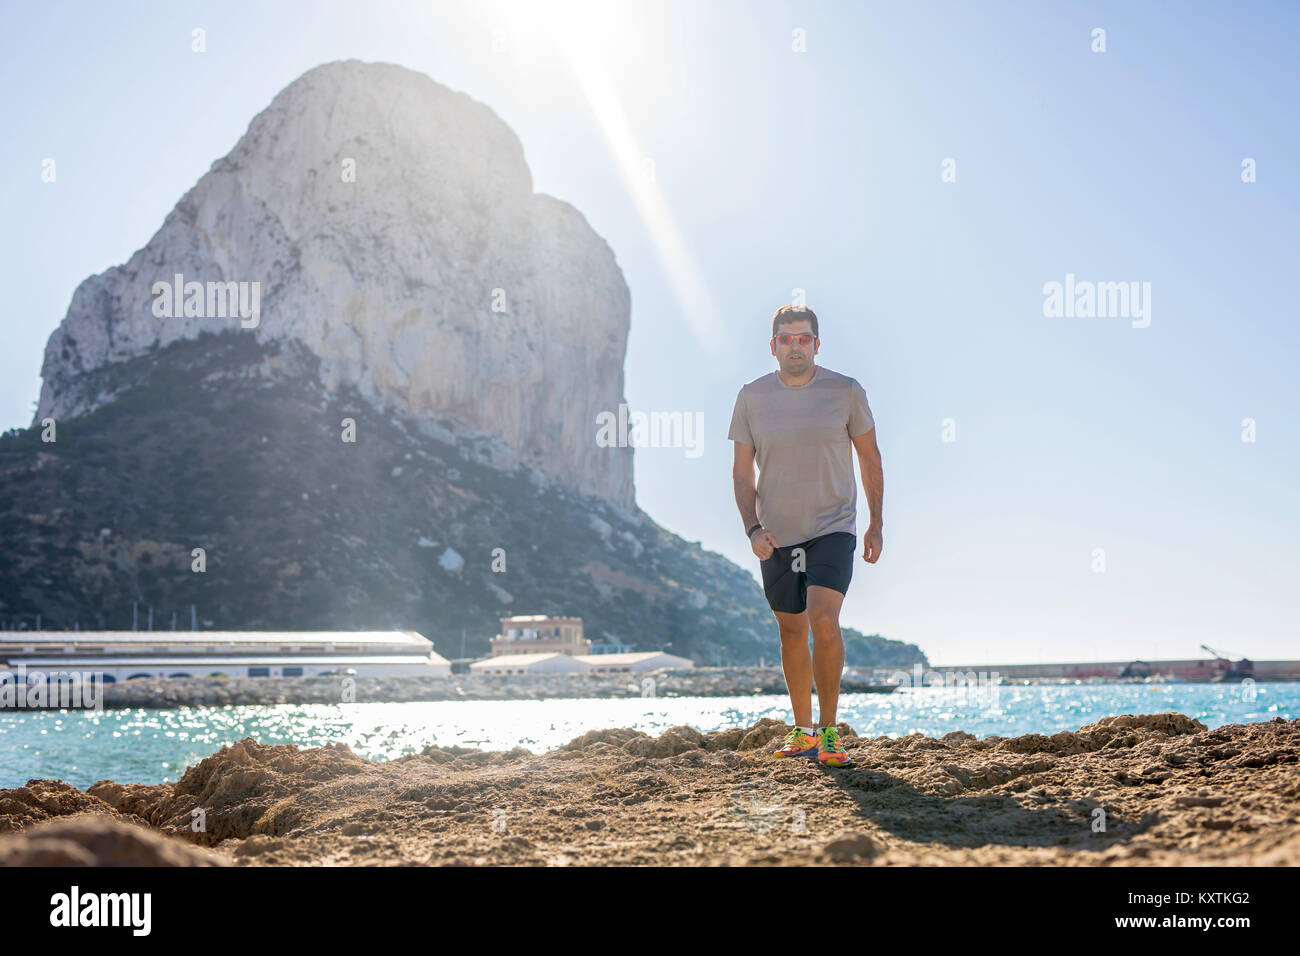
x=1169 y=792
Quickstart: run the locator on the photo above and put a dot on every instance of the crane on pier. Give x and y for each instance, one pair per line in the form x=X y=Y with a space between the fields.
x=1225 y=667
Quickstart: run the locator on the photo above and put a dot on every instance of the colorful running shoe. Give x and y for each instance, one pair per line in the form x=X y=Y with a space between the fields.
x=829 y=751
x=797 y=743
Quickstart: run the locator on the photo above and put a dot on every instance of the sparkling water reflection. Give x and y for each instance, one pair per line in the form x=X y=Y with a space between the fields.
x=150 y=746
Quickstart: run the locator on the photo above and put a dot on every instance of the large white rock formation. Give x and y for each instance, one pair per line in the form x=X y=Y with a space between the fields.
x=391 y=278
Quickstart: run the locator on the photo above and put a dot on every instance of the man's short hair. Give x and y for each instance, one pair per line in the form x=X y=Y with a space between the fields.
x=794 y=313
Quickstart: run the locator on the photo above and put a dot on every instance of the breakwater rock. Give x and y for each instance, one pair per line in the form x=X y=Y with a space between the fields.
x=172 y=692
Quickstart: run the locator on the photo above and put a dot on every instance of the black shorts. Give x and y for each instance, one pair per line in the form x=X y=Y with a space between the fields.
x=827 y=562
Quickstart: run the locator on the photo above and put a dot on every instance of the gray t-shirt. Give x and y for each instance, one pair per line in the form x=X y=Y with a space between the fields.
x=800 y=435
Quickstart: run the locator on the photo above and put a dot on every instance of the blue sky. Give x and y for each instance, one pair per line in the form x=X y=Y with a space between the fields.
x=778 y=170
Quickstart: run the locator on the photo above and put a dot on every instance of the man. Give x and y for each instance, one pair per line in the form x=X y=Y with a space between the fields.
x=798 y=424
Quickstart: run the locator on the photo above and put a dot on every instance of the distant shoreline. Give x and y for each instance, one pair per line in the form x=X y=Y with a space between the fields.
x=176 y=692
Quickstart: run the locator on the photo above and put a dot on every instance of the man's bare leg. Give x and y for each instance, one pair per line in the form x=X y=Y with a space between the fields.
x=828 y=649
x=797 y=664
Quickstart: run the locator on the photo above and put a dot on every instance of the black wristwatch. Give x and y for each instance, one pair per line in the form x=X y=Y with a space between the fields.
x=753 y=529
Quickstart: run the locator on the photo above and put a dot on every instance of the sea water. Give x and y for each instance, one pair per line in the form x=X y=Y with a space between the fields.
x=151 y=746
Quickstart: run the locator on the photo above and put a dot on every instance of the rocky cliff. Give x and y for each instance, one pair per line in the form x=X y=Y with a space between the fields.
x=391 y=227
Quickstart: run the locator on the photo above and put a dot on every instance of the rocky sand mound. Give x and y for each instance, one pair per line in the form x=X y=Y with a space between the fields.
x=1157 y=789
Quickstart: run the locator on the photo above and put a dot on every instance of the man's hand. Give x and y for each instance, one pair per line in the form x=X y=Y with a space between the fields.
x=763 y=543
x=872 y=543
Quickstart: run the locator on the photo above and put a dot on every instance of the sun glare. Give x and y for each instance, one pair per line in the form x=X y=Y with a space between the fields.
x=597 y=43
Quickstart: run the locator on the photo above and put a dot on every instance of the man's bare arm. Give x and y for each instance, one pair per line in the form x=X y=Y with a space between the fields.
x=873 y=483
x=744 y=484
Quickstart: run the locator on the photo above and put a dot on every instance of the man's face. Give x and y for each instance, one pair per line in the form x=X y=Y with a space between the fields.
x=794 y=358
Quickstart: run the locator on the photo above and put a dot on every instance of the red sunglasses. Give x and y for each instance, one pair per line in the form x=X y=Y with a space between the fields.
x=803 y=338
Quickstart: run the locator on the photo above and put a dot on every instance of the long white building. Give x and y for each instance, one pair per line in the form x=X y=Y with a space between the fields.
x=123 y=655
